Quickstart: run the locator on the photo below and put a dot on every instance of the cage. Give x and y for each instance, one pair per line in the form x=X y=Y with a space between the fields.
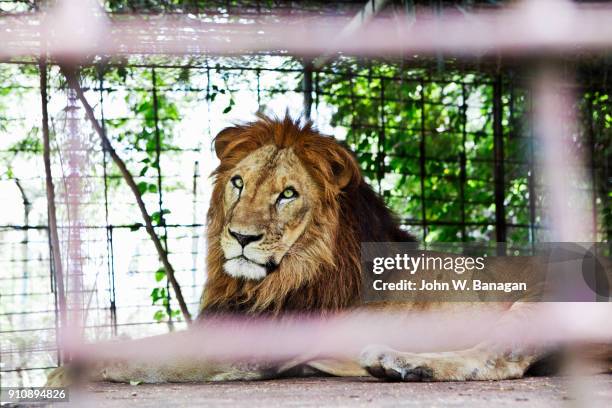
x=446 y=139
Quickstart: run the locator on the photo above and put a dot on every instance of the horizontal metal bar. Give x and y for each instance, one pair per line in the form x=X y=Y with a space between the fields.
x=528 y=29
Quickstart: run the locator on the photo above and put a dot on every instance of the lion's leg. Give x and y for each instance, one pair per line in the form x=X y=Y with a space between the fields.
x=182 y=371
x=145 y=372
x=485 y=361
x=478 y=363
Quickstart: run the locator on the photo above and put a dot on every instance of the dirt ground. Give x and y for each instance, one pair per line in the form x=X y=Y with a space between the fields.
x=340 y=392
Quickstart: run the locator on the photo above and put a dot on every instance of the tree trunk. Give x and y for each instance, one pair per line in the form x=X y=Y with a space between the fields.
x=51 y=210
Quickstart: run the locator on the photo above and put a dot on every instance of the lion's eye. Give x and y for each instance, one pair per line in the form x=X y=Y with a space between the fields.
x=237 y=182
x=288 y=194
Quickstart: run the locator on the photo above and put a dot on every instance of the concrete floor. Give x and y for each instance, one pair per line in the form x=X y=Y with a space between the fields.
x=339 y=392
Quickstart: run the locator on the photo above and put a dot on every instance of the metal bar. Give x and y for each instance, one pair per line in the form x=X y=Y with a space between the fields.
x=498 y=148
x=531 y=177
x=160 y=200
x=307 y=87
x=258 y=73
x=422 y=163
x=382 y=138
x=110 y=263
x=462 y=162
x=591 y=132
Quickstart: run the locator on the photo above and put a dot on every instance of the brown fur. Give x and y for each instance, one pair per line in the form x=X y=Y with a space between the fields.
x=323 y=273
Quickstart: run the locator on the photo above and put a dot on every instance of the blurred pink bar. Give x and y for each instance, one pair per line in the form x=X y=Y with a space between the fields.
x=348 y=334
x=78 y=30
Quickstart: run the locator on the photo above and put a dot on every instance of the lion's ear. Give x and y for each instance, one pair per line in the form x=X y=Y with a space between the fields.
x=223 y=140
x=345 y=168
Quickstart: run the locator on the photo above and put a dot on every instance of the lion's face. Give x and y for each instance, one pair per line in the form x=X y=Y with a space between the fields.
x=268 y=200
x=280 y=232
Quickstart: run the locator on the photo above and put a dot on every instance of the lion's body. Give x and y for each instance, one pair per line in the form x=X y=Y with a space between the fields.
x=288 y=213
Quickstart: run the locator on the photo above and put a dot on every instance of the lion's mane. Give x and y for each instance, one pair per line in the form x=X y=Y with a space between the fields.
x=322 y=272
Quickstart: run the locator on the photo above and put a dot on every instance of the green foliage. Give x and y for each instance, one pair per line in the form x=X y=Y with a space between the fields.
x=391 y=112
x=160 y=274
x=160 y=296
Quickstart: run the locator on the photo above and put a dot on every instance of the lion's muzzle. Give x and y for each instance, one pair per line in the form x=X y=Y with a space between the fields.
x=245 y=239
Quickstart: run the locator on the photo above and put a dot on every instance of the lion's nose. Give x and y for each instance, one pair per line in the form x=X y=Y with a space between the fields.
x=245 y=240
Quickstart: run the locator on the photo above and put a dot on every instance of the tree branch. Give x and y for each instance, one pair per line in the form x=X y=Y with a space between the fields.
x=71 y=75
x=51 y=210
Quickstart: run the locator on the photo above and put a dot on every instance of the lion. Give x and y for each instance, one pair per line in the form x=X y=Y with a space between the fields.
x=288 y=212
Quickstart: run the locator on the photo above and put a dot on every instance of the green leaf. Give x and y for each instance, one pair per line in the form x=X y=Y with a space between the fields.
x=142 y=187
x=227 y=109
x=159 y=315
x=156 y=217
x=160 y=274
x=136 y=227
x=135 y=383
x=151 y=145
x=157 y=294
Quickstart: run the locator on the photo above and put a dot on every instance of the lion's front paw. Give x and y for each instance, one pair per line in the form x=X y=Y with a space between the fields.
x=386 y=363
x=60 y=377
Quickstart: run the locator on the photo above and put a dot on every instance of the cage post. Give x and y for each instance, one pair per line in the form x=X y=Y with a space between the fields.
x=462 y=161
x=380 y=157
x=307 y=87
x=351 y=78
x=422 y=162
x=531 y=180
x=498 y=148
x=258 y=73
x=110 y=262
x=194 y=236
x=160 y=200
x=592 y=165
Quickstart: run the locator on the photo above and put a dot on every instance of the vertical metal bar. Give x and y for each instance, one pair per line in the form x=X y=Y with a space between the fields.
x=316 y=91
x=607 y=176
x=592 y=163
x=351 y=76
x=380 y=159
x=160 y=200
x=422 y=174
x=498 y=176
x=531 y=177
x=110 y=263
x=307 y=87
x=462 y=161
x=195 y=237
x=258 y=71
